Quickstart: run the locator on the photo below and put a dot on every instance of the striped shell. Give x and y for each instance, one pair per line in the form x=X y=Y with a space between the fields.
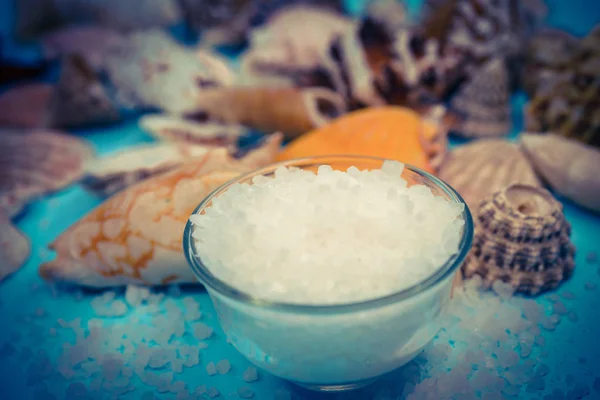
x=484 y=102
x=479 y=169
x=521 y=238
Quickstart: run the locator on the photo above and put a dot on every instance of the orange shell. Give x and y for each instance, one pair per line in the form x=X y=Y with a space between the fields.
x=389 y=132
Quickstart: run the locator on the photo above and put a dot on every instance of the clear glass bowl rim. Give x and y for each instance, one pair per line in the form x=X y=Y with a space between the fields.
x=212 y=282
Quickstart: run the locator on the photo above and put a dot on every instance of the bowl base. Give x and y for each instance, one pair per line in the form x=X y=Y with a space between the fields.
x=345 y=387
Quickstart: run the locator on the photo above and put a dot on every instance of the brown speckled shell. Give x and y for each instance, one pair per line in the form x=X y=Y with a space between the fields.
x=531 y=251
x=568 y=106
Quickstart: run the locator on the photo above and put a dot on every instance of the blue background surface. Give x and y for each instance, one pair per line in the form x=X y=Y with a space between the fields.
x=44 y=220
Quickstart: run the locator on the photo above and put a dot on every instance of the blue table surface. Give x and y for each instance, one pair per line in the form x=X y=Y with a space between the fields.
x=30 y=310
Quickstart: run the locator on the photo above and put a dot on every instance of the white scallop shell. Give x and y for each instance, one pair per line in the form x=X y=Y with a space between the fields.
x=478 y=169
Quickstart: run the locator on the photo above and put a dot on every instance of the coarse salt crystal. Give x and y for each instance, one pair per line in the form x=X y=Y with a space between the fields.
x=354 y=236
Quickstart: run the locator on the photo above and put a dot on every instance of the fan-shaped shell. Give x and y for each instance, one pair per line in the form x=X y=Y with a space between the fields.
x=38 y=162
x=479 y=169
x=484 y=102
x=521 y=238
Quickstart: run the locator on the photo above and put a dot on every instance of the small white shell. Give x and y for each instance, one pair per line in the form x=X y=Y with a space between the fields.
x=483 y=167
x=108 y=175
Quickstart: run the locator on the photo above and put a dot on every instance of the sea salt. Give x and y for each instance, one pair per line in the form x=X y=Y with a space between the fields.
x=245 y=392
x=223 y=367
x=201 y=331
x=211 y=369
x=250 y=374
x=326 y=238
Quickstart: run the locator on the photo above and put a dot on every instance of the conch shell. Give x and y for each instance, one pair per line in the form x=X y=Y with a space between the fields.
x=521 y=238
x=135 y=236
x=288 y=110
x=479 y=169
x=568 y=166
x=389 y=132
x=14 y=247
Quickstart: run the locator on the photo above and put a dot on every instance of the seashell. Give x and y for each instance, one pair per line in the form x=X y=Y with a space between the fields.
x=547 y=57
x=289 y=110
x=481 y=30
x=38 y=162
x=295 y=38
x=175 y=129
x=521 y=238
x=477 y=170
x=135 y=236
x=151 y=70
x=15 y=247
x=79 y=99
x=223 y=22
x=391 y=15
x=568 y=107
x=36 y=17
x=350 y=70
x=88 y=41
x=388 y=132
x=108 y=175
x=25 y=106
x=569 y=167
x=484 y=102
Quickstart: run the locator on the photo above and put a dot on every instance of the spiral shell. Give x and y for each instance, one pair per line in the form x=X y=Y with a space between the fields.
x=523 y=239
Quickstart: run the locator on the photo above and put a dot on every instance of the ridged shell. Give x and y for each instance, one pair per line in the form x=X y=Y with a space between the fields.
x=479 y=169
x=521 y=238
x=569 y=167
x=484 y=102
x=79 y=98
x=14 y=247
x=36 y=163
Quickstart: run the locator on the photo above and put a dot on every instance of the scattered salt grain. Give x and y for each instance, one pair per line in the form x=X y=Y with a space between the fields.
x=503 y=289
x=328 y=211
x=211 y=369
x=250 y=374
x=590 y=286
x=245 y=392
x=223 y=367
x=573 y=317
x=201 y=331
x=213 y=392
x=178 y=387
x=559 y=308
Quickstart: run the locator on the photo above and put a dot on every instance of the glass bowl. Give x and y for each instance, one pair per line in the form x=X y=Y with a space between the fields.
x=333 y=347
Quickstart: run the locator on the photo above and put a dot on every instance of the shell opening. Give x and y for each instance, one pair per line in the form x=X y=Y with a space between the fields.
x=528 y=200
